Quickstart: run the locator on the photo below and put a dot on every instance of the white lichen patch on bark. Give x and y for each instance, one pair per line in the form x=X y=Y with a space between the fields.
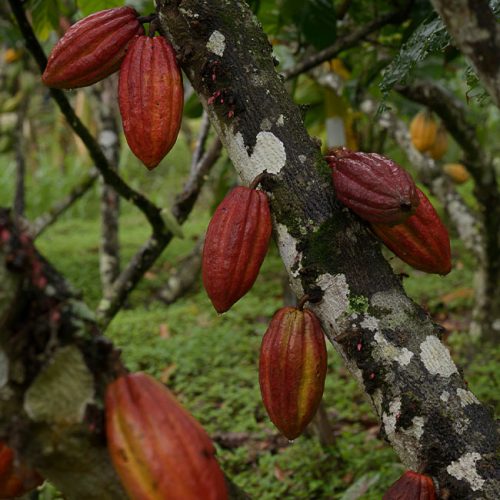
x=287 y=245
x=445 y=396
x=268 y=154
x=404 y=441
x=390 y=418
x=62 y=390
x=217 y=43
x=467 y=398
x=465 y=469
x=377 y=398
x=436 y=357
x=384 y=350
x=4 y=368
x=461 y=425
x=335 y=294
x=280 y=121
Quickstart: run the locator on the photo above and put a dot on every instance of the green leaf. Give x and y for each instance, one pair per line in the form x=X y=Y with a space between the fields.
x=315 y=19
x=193 y=107
x=90 y=6
x=45 y=17
x=430 y=37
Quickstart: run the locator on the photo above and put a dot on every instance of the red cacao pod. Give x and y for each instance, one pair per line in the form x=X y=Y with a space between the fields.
x=151 y=96
x=157 y=448
x=421 y=241
x=16 y=478
x=372 y=186
x=292 y=369
x=235 y=246
x=92 y=48
x=411 y=486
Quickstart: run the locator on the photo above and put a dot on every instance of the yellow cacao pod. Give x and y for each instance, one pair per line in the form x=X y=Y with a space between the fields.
x=457 y=172
x=440 y=146
x=423 y=130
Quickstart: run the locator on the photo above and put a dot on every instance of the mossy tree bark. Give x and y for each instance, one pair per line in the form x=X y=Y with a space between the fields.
x=427 y=413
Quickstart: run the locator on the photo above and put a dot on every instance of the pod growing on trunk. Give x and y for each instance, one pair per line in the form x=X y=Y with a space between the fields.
x=151 y=97
x=411 y=486
x=158 y=449
x=235 y=246
x=292 y=369
x=421 y=241
x=372 y=186
x=92 y=48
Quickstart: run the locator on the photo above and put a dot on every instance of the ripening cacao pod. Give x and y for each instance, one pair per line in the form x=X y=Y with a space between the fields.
x=235 y=246
x=456 y=172
x=440 y=146
x=423 y=130
x=421 y=241
x=411 y=486
x=16 y=478
x=151 y=96
x=92 y=48
x=157 y=448
x=292 y=369
x=372 y=186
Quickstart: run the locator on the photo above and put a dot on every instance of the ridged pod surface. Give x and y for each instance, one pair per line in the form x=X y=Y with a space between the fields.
x=16 y=479
x=151 y=96
x=92 y=49
x=423 y=130
x=292 y=369
x=421 y=241
x=235 y=246
x=157 y=448
x=372 y=186
x=411 y=486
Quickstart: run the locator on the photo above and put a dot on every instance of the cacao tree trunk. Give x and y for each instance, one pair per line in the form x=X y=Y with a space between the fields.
x=426 y=411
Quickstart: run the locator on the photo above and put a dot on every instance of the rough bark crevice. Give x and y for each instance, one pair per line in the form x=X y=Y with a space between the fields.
x=405 y=370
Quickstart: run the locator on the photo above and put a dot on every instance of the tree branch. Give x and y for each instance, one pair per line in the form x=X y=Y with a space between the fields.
x=42 y=222
x=426 y=411
x=347 y=41
x=155 y=245
x=476 y=33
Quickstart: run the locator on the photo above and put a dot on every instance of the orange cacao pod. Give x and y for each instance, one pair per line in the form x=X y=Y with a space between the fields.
x=235 y=246
x=421 y=241
x=292 y=369
x=372 y=186
x=16 y=478
x=151 y=96
x=411 y=486
x=423 y=130
x=457 y=172
x=440 y=146
x=92 y=48
x=157 y=448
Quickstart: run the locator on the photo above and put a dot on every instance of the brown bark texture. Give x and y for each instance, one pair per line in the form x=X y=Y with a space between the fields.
x=427 y=413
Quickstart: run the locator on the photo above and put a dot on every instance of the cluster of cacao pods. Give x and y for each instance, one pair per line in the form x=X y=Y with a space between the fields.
x=235 y=245
x=427 y=136
x=411 y=486
x=16 y=478
x=384 y=194
x=150 y=90
x=157 y=448
x=292 y=369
